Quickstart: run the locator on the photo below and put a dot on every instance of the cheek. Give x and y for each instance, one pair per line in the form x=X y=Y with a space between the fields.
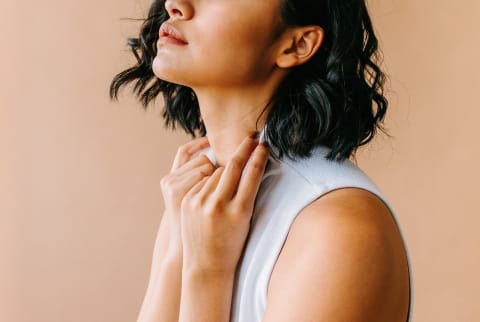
x=234 y=52
x=232 y=55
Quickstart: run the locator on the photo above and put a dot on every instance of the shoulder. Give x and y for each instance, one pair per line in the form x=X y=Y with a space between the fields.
x=343 y=260
x=326 y=175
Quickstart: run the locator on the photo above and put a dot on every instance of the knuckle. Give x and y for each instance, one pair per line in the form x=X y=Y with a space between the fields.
x=204 y=159
x=197 y=203
x=182 y=149
x=215 y=207
x=218 y=204
x=200 y=175
x=236 y=162
x=257 y=166
x=242 y=208
x=186 y=200
x=170 y=188
x=184 y=204
x=207 y=169
x=210 y=168
x=192 y=203
x=165 y=182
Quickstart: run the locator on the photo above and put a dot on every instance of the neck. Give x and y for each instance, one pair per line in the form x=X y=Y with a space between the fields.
x=229 y=116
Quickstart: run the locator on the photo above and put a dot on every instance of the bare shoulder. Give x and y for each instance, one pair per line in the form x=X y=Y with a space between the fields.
x=343 y=260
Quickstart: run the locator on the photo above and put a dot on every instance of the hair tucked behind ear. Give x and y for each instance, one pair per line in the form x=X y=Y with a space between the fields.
x=335 y=99
x=330 y=99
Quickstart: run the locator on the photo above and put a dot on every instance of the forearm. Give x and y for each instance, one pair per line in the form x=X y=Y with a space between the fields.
x=163 y=302
x=206 y=297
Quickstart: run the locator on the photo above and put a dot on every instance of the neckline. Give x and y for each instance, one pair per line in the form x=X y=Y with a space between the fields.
x=208 y=152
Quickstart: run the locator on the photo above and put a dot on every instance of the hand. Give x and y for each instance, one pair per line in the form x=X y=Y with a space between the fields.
x=186 y=171
x=216 y=212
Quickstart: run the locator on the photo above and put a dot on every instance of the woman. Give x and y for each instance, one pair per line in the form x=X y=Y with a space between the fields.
x=277 y=226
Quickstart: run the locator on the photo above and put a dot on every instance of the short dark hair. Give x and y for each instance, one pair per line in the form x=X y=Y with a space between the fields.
x=335 y=99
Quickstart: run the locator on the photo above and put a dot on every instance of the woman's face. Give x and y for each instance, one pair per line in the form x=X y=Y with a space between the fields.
x=228 y=42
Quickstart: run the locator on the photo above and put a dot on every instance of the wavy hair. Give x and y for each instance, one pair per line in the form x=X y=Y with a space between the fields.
x=335 y=99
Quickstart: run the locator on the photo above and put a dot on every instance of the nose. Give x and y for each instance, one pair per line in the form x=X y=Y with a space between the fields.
x=179 y=9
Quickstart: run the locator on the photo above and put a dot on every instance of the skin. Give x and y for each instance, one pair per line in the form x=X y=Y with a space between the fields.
x=343 y=259
x=233 y=62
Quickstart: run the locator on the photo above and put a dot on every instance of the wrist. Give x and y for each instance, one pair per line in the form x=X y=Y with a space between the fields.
x=173 y=256
x=199 y=274
x=206 y=294
x=211 y=268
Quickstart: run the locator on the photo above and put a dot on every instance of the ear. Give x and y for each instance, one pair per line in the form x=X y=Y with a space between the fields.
x=299 y=44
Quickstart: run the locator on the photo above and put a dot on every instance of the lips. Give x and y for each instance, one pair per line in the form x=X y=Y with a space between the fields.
x=169 y=34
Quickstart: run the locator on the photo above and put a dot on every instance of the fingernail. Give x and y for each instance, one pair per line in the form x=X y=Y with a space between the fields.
x=254 y=135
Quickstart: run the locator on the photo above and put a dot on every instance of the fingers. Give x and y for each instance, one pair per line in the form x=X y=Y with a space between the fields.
x=190 y=178
x=212 y=183
x=206 y=185
x=193 y=171
x=186 y=151
x=197 y=162
x=177 y=183
x=228 y=183
x=250 y=182
x=197 y=187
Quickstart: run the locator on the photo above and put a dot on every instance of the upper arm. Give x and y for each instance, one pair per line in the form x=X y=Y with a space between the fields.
x=343 y=260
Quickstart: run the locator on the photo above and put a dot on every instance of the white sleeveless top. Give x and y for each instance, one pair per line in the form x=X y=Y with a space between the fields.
x=287 y=187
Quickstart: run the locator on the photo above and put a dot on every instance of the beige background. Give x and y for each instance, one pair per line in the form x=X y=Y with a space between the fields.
x=80 y=201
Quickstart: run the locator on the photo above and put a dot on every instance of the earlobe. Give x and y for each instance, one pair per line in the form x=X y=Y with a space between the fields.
x=301 y=45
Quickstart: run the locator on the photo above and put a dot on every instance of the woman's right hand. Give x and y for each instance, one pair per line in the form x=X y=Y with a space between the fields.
x=187 y=170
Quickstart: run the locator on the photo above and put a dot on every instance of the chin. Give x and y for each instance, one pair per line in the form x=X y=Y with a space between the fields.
x=167 y=73
x=159 y=69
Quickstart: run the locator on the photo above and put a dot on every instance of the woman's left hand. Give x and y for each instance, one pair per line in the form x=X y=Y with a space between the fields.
x=216 y=212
